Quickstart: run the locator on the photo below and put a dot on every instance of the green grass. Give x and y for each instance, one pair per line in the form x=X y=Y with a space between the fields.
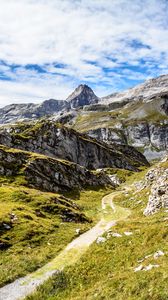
x=90 y=201
x=130 y=115
x=106 y=271
x=121 y=174
x=39 y=231
x=91 y=120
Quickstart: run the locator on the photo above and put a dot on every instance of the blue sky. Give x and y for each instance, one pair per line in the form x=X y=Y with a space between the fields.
x=49 y=47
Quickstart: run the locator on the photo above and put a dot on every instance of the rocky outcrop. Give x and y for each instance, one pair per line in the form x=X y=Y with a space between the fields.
x=47 y=173
x=106 y=107
x=109 y=135
x=58 y=141
x=157 y=178
x=149 y=137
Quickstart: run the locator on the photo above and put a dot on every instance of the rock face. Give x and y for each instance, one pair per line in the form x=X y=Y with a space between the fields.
x=58 y=141
x=152 y=137
x=47 y=173
x=158 y=179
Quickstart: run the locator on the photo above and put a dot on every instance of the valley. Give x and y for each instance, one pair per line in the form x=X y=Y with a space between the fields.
x=84 y=196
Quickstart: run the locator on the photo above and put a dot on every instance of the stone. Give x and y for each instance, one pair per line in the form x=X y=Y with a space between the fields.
x=6 y=226
x=150 y=267
x=4 y=245
x=128 y=233
x=77 y=230
x=158 y=254
x=139 y=268
x=115 y=234
x=100 y=240
x=115 y=179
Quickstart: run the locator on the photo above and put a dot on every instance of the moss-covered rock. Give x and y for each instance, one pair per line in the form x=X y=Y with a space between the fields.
x=47 y=173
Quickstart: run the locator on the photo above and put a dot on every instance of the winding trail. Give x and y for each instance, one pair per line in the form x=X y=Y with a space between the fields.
x=24 y=286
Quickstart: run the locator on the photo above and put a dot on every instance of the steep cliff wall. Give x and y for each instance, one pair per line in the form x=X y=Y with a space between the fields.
x=58 y=141
x=149 y=137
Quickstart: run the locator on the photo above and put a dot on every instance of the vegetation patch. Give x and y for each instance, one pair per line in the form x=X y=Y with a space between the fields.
x=35 y=226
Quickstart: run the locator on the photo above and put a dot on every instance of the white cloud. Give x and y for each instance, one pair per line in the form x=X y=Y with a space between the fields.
x=76 y=34
x=30 y=86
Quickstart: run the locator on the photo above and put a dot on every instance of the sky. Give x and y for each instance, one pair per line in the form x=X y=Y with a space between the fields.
x=49 y=47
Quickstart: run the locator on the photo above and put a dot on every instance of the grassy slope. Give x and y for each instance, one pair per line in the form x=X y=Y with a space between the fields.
x=106 y=271
x=37 y=234
x=128 y=115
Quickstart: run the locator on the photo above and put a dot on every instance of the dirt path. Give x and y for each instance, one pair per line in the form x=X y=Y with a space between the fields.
x=22 y=287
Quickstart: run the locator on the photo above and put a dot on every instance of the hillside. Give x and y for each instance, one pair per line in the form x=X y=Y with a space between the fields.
x=132 y=257
x=43 y=194
x=57 y=141
x=35 y=225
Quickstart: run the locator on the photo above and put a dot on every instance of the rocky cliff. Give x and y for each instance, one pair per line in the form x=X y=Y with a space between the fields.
x=57 y=141
x=47 y=173
x=149 y=137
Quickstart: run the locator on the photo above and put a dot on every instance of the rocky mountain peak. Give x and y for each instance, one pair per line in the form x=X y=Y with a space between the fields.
x=82 y=95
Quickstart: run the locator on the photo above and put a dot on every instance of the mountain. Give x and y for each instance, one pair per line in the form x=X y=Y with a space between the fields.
x=19 y=112
x=137 y=117
x=83 y=95
x=146 y=91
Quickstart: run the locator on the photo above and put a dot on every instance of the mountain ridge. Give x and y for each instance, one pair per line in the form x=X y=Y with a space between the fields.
x=83 y=96
x=137 y=117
